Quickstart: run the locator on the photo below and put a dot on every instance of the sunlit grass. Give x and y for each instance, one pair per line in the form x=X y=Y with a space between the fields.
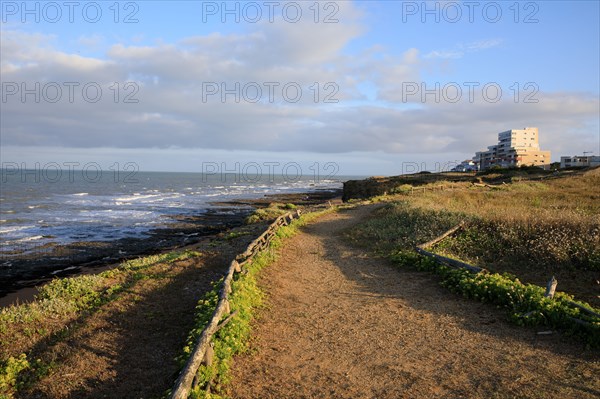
x=57 y=304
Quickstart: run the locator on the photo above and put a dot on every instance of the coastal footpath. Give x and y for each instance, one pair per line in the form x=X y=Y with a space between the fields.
x=342 y=323
x=341 y=306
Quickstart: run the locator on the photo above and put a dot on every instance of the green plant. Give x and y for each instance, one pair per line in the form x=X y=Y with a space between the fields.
x=235 y=234
x=266 y=214
x=525 y=303
x=9 y=372
x=402 y=189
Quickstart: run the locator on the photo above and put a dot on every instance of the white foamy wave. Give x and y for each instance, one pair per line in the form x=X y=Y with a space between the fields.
x=81 y=194
x=13 y=229
x=31 y=238
x=136 y=197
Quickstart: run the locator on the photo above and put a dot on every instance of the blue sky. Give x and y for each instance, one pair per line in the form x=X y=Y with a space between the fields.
x=370 y=57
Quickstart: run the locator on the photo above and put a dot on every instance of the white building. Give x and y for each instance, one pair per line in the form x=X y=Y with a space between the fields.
x=516 y=147
x=579 y=161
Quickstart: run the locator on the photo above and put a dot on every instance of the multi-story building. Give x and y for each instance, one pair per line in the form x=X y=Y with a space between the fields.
x=516 y=147
x=581 y=161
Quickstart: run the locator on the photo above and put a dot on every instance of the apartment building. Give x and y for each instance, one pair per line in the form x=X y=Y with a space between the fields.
x=515 y=147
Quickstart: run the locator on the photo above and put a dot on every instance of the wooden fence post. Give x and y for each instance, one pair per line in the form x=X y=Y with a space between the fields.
x=551 y=287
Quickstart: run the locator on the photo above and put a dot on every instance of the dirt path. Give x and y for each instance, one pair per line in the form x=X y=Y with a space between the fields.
x=342 y=324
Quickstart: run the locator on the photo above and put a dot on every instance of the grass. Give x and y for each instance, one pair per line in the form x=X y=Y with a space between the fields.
x=246 y=298
x=53 y=315
x=529 y=229
x=269 y=213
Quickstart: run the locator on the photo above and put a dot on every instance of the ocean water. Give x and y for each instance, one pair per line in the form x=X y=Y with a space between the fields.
x=36 y=209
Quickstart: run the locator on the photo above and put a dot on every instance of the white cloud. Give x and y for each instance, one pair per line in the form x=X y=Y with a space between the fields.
x=91 y=41
x=482 y=44
x=461 y=49
x=445 y=54
x=171 y=111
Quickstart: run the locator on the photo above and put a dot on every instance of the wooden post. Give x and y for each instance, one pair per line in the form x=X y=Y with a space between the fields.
x=236 y=266
x=551 y=287
x=209 y=355
x=226 y=307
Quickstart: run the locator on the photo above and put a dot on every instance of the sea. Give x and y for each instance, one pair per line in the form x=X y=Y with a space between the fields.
x=37 y=209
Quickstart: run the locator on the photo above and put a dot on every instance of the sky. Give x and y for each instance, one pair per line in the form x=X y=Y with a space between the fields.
x=337 y=87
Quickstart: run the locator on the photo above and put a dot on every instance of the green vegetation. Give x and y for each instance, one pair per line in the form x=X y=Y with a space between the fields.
x=246 y=298
x=525 y=303
x=528 y=229
x=269 y=213
x=9 y=371
x=60 y=304
x=235 y=234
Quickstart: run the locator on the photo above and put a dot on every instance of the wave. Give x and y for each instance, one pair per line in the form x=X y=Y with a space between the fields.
x=30 y=238
x=135 y=197
x=13 y=229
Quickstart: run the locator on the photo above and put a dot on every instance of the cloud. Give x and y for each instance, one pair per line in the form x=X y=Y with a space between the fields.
x=445 y=54
x=172 y=108
x=482 y=44
x=91 y=41
x=461 y=49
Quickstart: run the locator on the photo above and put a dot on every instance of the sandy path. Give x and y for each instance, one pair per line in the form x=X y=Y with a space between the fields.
x=342 y=324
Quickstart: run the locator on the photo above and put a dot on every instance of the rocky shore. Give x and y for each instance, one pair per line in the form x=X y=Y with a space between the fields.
x=21 y=273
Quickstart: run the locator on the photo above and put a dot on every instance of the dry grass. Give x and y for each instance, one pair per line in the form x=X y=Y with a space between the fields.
x=566 y=200
x=532 y=229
